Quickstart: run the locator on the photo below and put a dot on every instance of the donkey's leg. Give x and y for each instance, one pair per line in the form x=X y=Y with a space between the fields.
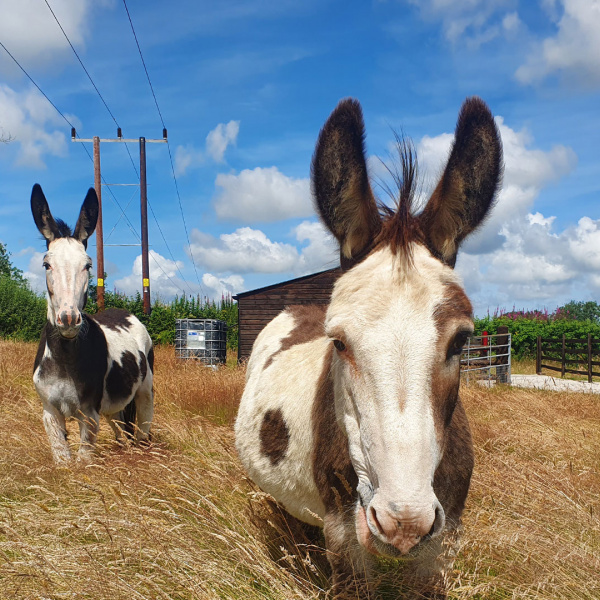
x=54 y=423
x=351 y=566
x=144 y=406
x=114 y=425
x=88 y=432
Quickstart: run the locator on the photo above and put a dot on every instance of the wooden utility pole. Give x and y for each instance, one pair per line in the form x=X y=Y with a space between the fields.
x=144 y=214
x=143 y=209
x=99 y=234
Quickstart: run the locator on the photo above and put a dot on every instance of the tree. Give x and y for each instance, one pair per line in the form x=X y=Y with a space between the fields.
x=5 y=139
x=6 y=267
x=580 y=311
x=22 y=311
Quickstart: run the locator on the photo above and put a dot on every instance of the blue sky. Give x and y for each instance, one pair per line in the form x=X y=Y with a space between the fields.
x=244 y=87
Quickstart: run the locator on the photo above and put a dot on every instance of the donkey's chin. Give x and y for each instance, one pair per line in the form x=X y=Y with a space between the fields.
x=69 y=333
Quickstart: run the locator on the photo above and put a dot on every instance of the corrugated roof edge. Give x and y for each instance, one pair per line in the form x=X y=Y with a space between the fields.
x=276 y=285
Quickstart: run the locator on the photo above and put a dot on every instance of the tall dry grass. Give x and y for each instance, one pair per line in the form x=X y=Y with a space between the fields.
x=178 y=520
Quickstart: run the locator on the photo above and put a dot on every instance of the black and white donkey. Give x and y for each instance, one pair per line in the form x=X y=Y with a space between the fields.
x=86 y=365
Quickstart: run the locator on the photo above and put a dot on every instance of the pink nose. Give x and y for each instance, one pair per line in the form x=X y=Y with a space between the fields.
x=406 y=528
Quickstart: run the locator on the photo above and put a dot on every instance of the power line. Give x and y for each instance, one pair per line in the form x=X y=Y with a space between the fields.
x=91 y=81
x=62 y=115
x=168 y=145
x=89 y=156
x=117 y=124
x=36 y=85
x=167 y=245
x=118 y=127
x=143 y=63
x=81 y=62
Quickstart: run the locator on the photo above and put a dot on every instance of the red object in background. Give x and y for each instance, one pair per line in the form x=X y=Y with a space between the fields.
x=484 y=339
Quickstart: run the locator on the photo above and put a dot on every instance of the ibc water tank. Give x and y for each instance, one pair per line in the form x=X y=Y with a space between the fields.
x=201 y=339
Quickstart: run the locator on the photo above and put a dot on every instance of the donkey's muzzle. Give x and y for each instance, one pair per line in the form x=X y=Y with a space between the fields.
x=69 y=323
x=404 y=528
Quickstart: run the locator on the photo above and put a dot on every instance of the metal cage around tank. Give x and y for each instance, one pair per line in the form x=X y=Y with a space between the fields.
x=201 y=339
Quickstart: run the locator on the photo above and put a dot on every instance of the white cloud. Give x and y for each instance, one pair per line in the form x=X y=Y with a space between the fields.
x=527 y=171
x=35 y=272
x=262 y=195
x=29 y=30
x=164 y=280
x=215 y=287
x=186 y=158
x=220 y=137
x=28 y=118
x=535 y=264
x=511 y=23
x=517 y=257
x=245 y=250
x=217 y=142
x=472 y=20
x=575 y=49
x=321 y=252
x=249 y=250
x=584 y=244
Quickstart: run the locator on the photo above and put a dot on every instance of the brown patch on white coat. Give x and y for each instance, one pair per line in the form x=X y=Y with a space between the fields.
x=374 y=400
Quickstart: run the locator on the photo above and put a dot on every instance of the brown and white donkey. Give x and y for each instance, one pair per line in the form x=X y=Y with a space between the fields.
x=351 y=417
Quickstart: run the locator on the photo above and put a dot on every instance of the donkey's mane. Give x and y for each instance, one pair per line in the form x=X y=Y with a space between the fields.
x=63 y=229
x=400 y=228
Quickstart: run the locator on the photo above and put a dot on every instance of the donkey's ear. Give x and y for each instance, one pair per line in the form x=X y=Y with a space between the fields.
x=340 y=182
x=468 y=186
x=88 y=218
x=42 y=216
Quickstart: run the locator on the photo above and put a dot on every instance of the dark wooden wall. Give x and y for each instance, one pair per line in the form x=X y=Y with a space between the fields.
x=256 y=308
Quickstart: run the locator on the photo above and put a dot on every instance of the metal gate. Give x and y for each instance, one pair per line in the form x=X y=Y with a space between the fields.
x=487 y=357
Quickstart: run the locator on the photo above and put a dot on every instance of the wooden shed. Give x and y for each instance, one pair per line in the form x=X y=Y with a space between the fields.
x=257 y=307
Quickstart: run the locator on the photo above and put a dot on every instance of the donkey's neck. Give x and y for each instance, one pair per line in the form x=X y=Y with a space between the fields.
x=65 y=349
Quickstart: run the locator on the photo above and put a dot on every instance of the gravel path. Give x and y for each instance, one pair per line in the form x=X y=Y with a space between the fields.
x=546 y=382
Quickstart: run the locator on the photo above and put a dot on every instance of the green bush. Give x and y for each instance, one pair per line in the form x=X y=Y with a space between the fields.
x=22 y=311
x=525 y=331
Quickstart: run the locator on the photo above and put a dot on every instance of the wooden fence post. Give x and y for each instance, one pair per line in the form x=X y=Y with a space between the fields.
x=538 y=356
x=562 y=358
x=589 y=357
x=502 y=348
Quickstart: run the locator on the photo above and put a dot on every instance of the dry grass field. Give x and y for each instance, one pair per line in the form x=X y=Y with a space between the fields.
x=178 y=520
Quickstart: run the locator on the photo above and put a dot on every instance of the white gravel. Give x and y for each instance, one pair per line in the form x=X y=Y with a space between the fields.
x=547 y=382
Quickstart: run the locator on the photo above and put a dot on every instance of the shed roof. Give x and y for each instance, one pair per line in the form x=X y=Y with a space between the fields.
x=281 y=283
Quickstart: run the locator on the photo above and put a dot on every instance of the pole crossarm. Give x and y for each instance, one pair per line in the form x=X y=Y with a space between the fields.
x=119 y=138
x=125 y=140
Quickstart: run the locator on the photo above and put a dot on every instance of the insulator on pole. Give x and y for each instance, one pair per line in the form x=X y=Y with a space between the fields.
x=119 y=133
x=164 y=133
x=73 y=133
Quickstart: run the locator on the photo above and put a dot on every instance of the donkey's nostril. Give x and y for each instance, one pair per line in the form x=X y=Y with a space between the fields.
x=78 y=320
x=374 y=519
x=438 y=522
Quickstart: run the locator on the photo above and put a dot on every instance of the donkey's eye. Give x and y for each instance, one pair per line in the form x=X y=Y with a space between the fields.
x=88 y=267
x=457 y=344
x=46 y=265
x=339 y=345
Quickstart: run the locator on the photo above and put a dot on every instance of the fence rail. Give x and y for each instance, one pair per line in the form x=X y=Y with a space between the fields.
x=487 y=357
x=568 y=352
